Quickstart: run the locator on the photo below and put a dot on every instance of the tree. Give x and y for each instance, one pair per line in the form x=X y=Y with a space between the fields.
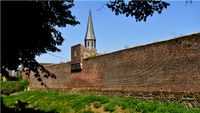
x=29 y=29
x=140 y=9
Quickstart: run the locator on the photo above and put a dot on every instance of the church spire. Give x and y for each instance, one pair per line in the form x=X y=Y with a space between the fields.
x=90 y=40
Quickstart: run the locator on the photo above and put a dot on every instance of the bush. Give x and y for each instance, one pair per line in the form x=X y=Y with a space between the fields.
x=129 y=103
x=141 y=107
x=109 y=108
x=87 y=111
x=97 y=105
x=171 y=108
x=8 y=87
x=146 y=107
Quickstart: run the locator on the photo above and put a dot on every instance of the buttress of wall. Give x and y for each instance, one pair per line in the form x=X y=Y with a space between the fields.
x=172 y=65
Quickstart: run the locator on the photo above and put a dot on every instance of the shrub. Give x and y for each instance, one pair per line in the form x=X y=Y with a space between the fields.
x=170 y=108
x=141 y=107
x=129 y=103
x=8 y=87
x=97 y=105
x=109 y=107
x=87 y=111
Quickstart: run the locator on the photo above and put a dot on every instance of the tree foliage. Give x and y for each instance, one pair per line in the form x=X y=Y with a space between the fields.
x=140 y=9
x=29 y=29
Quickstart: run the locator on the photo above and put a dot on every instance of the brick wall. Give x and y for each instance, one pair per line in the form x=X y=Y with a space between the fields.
x=79 y=52
x=172 y=66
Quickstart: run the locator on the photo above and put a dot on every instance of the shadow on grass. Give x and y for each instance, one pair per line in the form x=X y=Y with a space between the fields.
x=20 y=107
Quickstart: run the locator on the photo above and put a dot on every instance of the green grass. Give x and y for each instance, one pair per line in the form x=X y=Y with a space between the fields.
x=8 y=87
x=51 y=101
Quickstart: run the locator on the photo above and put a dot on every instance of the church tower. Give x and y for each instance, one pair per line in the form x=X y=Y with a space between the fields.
x=90 y=40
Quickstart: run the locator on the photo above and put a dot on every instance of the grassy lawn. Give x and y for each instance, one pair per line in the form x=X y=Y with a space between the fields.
x=51 y=102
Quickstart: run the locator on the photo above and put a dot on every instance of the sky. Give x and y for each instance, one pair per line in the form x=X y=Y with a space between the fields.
x=114 y=33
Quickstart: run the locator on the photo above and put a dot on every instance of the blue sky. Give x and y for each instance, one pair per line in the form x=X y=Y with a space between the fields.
x=114 y=33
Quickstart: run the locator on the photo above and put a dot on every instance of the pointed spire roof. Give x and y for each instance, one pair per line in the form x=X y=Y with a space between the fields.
x=90 y=31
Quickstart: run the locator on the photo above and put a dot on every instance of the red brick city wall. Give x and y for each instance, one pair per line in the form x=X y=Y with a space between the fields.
x=172 y=66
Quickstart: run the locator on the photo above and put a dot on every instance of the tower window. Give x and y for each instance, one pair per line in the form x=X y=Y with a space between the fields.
x=88 y=43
